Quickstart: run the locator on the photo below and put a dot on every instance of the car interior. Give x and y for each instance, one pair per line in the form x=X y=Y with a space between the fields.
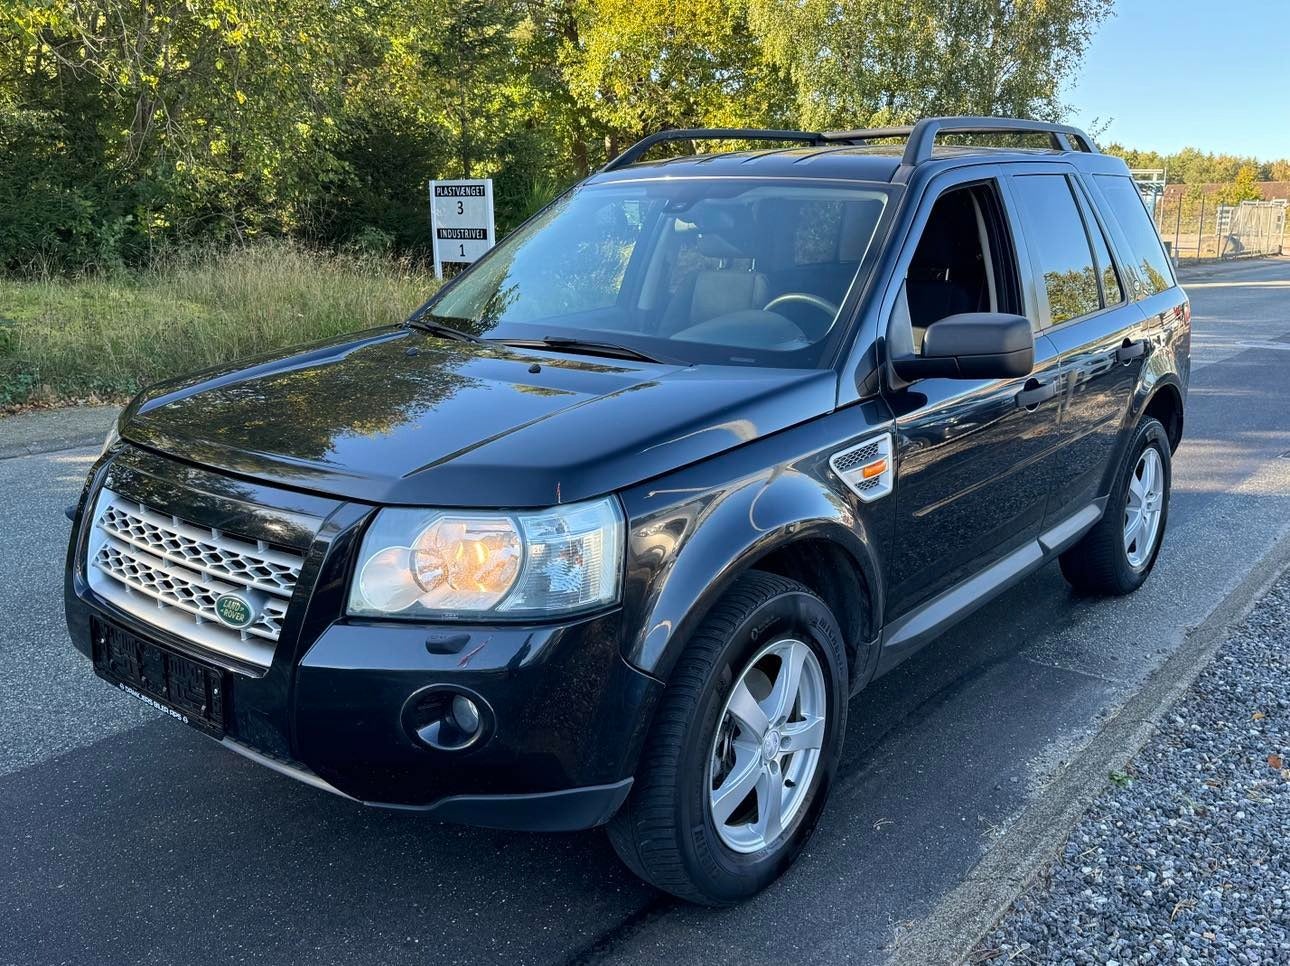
x=963 y=263
x=773 y=273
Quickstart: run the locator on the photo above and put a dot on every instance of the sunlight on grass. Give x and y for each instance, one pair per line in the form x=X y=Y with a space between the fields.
x=105 y=336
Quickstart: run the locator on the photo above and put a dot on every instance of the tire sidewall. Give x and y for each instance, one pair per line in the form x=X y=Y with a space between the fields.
x=803 y=617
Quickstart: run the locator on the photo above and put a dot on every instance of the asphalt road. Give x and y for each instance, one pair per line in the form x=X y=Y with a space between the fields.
x=127 y=838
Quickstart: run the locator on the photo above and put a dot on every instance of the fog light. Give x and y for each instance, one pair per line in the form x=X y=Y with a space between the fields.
x=446 y=719
x=465 y=714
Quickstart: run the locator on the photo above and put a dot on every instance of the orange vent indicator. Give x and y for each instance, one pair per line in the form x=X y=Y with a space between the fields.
x=876 y=468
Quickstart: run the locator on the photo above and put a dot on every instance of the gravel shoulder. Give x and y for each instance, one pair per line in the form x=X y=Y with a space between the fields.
x=1184 y=858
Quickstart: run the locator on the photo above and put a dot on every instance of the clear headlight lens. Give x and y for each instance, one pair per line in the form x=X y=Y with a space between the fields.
x=447 y=563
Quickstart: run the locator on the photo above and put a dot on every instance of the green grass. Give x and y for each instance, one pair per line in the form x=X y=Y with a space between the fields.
x=102 y=337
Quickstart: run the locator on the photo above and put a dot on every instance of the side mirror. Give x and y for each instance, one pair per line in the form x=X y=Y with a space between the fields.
x=973 y=345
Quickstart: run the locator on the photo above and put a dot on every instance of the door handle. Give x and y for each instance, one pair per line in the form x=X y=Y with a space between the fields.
x=1131 y=350
x=1036 y=392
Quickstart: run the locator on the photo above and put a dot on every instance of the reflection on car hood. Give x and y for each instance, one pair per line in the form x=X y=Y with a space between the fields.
x=400 y=416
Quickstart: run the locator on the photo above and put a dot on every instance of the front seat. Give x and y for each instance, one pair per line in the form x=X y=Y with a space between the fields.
x=709 y=293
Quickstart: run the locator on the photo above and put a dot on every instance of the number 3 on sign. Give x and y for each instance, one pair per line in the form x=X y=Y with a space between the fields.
x=461 y=221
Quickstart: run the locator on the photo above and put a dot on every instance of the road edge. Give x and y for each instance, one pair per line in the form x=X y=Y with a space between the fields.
x=953 y=929
x=52 y=430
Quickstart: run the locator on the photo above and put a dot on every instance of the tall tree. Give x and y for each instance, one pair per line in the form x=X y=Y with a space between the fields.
x=647 y=65
x=858 y=62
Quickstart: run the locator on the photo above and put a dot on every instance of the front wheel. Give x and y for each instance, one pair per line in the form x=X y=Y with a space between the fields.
x=1116 y=556
x=743 y=748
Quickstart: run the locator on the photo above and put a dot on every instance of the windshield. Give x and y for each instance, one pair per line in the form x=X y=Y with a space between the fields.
x=734 y=271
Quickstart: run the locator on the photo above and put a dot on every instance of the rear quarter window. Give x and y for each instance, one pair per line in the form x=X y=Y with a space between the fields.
x=1146 y=253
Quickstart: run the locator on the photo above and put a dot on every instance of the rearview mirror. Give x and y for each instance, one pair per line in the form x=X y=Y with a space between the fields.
x=973 y=345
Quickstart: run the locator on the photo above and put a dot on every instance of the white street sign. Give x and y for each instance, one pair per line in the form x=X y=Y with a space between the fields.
x=461 y=221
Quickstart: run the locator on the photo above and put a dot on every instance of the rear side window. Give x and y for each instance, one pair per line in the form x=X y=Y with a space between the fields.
x=1111 y=293
x=1059 y=244
x=1146 y=252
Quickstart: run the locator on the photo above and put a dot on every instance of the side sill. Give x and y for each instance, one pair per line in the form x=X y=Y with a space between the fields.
x=907 y=635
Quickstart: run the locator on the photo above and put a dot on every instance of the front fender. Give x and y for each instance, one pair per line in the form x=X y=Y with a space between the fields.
x=682 y=557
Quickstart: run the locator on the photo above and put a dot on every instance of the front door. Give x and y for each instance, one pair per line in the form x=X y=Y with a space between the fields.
x=975 y=459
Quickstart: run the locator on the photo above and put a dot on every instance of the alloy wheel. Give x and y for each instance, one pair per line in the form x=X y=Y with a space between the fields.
x=767 y=747
x=1144 y=506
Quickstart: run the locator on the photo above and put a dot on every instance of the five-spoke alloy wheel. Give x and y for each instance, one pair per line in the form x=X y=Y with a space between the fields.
x=767 y=745
x=1142 y=510
x=743 y=747
x=1117 y=555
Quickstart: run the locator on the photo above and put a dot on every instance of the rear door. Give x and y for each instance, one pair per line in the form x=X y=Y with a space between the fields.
x=1099 y=334
x=1149 y=275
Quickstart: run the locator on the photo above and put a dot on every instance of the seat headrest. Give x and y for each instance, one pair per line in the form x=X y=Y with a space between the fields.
x=712 y=245
x=721 y=235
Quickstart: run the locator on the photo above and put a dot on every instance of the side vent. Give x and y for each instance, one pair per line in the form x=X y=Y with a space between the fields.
x=867 y=468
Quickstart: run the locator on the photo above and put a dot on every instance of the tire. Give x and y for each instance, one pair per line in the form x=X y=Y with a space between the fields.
x=1102 y=562
x=666 y=832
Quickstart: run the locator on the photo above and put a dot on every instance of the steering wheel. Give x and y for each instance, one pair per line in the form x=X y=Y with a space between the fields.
x=814 y=301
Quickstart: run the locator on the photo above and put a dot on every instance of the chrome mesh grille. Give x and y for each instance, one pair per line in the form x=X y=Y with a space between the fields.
x=845 y=462
x=850 y=464
x=249 y=564
x=170 y=573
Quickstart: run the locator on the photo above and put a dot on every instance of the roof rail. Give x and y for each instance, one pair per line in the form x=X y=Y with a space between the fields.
x=869 y=133
x=637 y=150
x=922 y=137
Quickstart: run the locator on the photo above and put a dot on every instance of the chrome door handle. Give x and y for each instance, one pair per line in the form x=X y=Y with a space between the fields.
x=1036 y=392
x=1131 y=350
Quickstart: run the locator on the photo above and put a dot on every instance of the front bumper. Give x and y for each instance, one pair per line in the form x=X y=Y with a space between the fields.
x=567 y=713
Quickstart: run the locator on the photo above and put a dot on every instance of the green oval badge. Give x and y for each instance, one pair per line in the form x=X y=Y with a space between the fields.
x=234 y=610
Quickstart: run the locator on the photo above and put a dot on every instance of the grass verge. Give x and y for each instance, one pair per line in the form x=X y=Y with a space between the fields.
x=102 y=337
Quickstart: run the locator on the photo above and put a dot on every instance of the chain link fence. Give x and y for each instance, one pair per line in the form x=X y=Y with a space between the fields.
x=1199 y=227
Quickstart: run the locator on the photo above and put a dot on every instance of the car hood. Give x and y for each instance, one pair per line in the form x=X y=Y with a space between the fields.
x=398 y=416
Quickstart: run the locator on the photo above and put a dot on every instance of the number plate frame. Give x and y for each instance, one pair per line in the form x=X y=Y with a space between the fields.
x=187 y=690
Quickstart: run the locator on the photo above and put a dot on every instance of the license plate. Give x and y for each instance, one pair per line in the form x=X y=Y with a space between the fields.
x=185 y=689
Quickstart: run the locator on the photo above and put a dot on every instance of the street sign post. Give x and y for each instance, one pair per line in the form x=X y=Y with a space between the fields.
x=461 y=221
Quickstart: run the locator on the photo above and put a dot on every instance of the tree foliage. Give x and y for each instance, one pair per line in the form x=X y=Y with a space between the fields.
x=128 y=126
x=1192 y=166
x=870 y=62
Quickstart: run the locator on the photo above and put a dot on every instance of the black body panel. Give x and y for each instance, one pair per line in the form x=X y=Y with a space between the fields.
x=718 y=469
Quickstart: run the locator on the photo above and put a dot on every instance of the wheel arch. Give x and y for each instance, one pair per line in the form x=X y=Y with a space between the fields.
x=1166 y=404
x=793 y=527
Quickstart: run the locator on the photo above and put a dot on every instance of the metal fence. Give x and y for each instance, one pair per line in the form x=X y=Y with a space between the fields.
x=1201 y=228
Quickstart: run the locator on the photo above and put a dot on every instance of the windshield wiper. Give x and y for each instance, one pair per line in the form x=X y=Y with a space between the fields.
x=444 y=331
x=589 y=347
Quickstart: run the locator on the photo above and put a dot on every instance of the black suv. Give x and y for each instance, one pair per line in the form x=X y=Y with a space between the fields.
x=612 y=528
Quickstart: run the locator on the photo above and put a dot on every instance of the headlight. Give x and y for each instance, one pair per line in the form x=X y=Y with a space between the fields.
x=448 y=563
x=112 y=436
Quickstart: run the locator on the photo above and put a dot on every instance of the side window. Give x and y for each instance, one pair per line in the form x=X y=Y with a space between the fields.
x=964 y=262
x=1060 y=245
x=1146 y=251
x=1112 y=293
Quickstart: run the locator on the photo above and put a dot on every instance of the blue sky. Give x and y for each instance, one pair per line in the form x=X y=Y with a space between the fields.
x=1189 y=72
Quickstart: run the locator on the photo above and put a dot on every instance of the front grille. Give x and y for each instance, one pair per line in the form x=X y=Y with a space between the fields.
x=170 y=573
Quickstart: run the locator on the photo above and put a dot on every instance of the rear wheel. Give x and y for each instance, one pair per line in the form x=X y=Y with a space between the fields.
x=744 y=746
x=1116 y=556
